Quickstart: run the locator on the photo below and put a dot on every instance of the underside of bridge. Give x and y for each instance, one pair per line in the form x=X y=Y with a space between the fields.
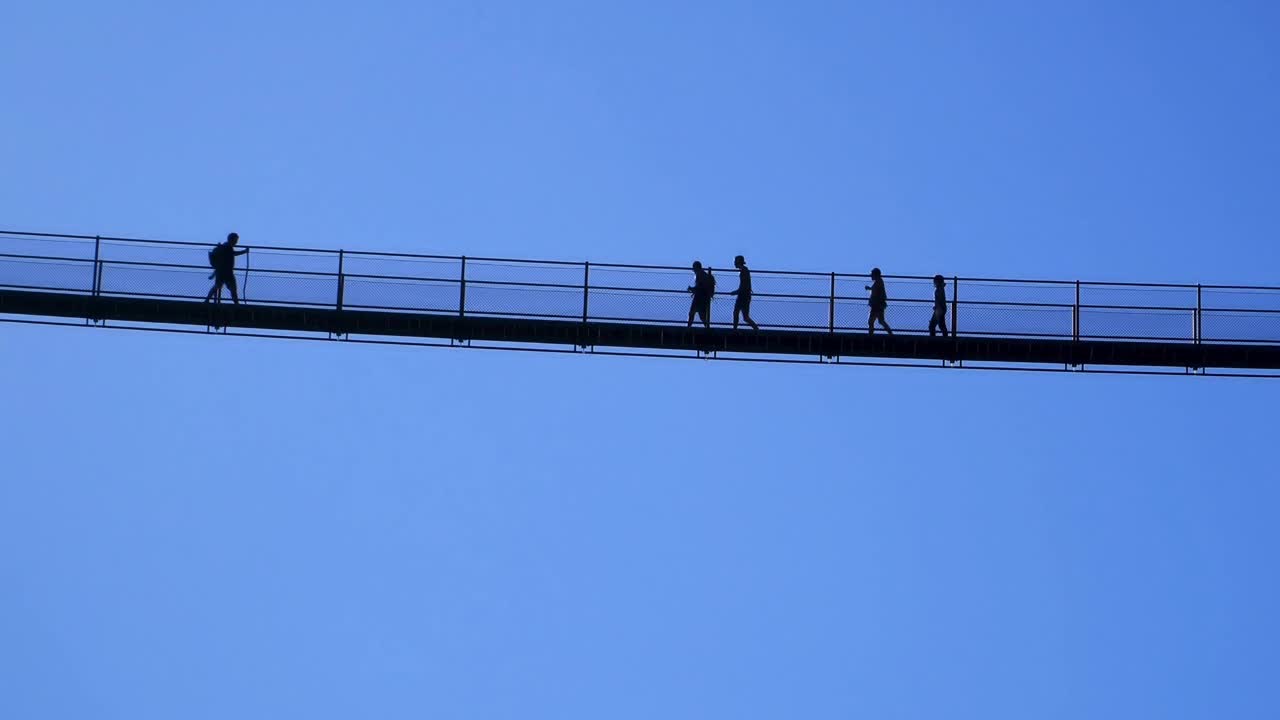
x=506 y=330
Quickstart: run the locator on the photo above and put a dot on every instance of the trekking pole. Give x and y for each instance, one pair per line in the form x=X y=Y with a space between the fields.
x=247 y=256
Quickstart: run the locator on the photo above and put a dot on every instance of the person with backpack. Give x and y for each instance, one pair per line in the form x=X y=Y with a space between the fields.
x=703 y=287
x=742 y=303
x=222 y=258
x=879 y=302
x=939 y=319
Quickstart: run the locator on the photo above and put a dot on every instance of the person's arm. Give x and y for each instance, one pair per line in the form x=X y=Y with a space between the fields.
x=242 y=252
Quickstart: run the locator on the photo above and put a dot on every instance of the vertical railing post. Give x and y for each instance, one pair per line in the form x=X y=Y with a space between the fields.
x=337 y=327
x=586 y=288
x=248 y=264
x=95 y=282
x=341 y=280
x=831 y=308
x=1198 y=326
x=97 y=272
x=462 y=289
x=1075 y=316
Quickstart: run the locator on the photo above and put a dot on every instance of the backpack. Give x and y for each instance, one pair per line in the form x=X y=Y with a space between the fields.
x=213 y=256
x=711 y=283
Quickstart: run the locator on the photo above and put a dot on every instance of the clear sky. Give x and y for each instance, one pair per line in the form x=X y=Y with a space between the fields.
x=208 y=527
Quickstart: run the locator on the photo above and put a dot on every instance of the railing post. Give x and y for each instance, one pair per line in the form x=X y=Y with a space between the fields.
x=341 y=280
x=337 y=328
x=462 y=289
x=1075 y=316
x=97 y=268
x=586 y=288
x=831 y=308
x=248 y=263
x=1199 y=322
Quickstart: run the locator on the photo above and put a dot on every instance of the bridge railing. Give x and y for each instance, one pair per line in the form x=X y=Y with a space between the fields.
x=646 y=294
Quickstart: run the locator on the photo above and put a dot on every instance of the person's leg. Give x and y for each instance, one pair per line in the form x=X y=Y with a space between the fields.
x=746 y=312
x=706 y=313
x=942 y=320
x=693 y=308
x=217 y=286
x=871 y=322
x=933 y=324
x=737 y=310
x=231 y=285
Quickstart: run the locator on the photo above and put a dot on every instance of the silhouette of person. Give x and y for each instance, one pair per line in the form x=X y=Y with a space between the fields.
x=703 y=287
x=223 y=259
x=879 y=301
x=742 y=305
x=939 y=319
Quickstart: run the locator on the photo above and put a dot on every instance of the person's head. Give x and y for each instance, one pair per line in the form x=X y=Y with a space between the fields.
x=739 y=261
x=233 y=238
x=697 y=265
x=875 y=273
x=939 y=281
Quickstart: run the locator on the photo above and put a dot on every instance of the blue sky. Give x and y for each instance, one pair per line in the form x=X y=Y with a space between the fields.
x=216 y=527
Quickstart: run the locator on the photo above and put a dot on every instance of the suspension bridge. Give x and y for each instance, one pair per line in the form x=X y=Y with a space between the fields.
x=620 y=309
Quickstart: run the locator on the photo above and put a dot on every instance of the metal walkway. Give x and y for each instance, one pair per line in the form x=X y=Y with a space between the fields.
x=612 y=308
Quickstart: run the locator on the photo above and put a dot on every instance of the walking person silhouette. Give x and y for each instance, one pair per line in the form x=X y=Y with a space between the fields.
x=703 y=287
x=223 y=260
x=939 y=319
x=879 y=302
x=742 y=305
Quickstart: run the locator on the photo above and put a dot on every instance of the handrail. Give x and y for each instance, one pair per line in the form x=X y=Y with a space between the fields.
x=18 y=234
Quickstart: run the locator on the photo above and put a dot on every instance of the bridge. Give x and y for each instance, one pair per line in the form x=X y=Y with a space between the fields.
x=620 y=309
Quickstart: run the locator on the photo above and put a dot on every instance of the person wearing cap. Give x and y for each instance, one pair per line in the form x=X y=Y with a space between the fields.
x=703 y=287
x=879 y=302
x=223 y=259
x=742 y=303
x=939 y=319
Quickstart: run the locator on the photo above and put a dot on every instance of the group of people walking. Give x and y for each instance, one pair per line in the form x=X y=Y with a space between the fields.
x=222 y=258
x=704 y=288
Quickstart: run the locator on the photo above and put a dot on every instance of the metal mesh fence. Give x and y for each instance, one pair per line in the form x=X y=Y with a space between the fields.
x=1138 y=312
x=1248 y=315
x=1137 y=324
x=999 y=319
x=393 y=294
x=41 y=263
x=1240 y=327
x=639 y=294
x=66 y=247
x=41 y=274
x=781 y=300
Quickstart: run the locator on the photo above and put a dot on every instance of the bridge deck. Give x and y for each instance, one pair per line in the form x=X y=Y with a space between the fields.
x=639 y=336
